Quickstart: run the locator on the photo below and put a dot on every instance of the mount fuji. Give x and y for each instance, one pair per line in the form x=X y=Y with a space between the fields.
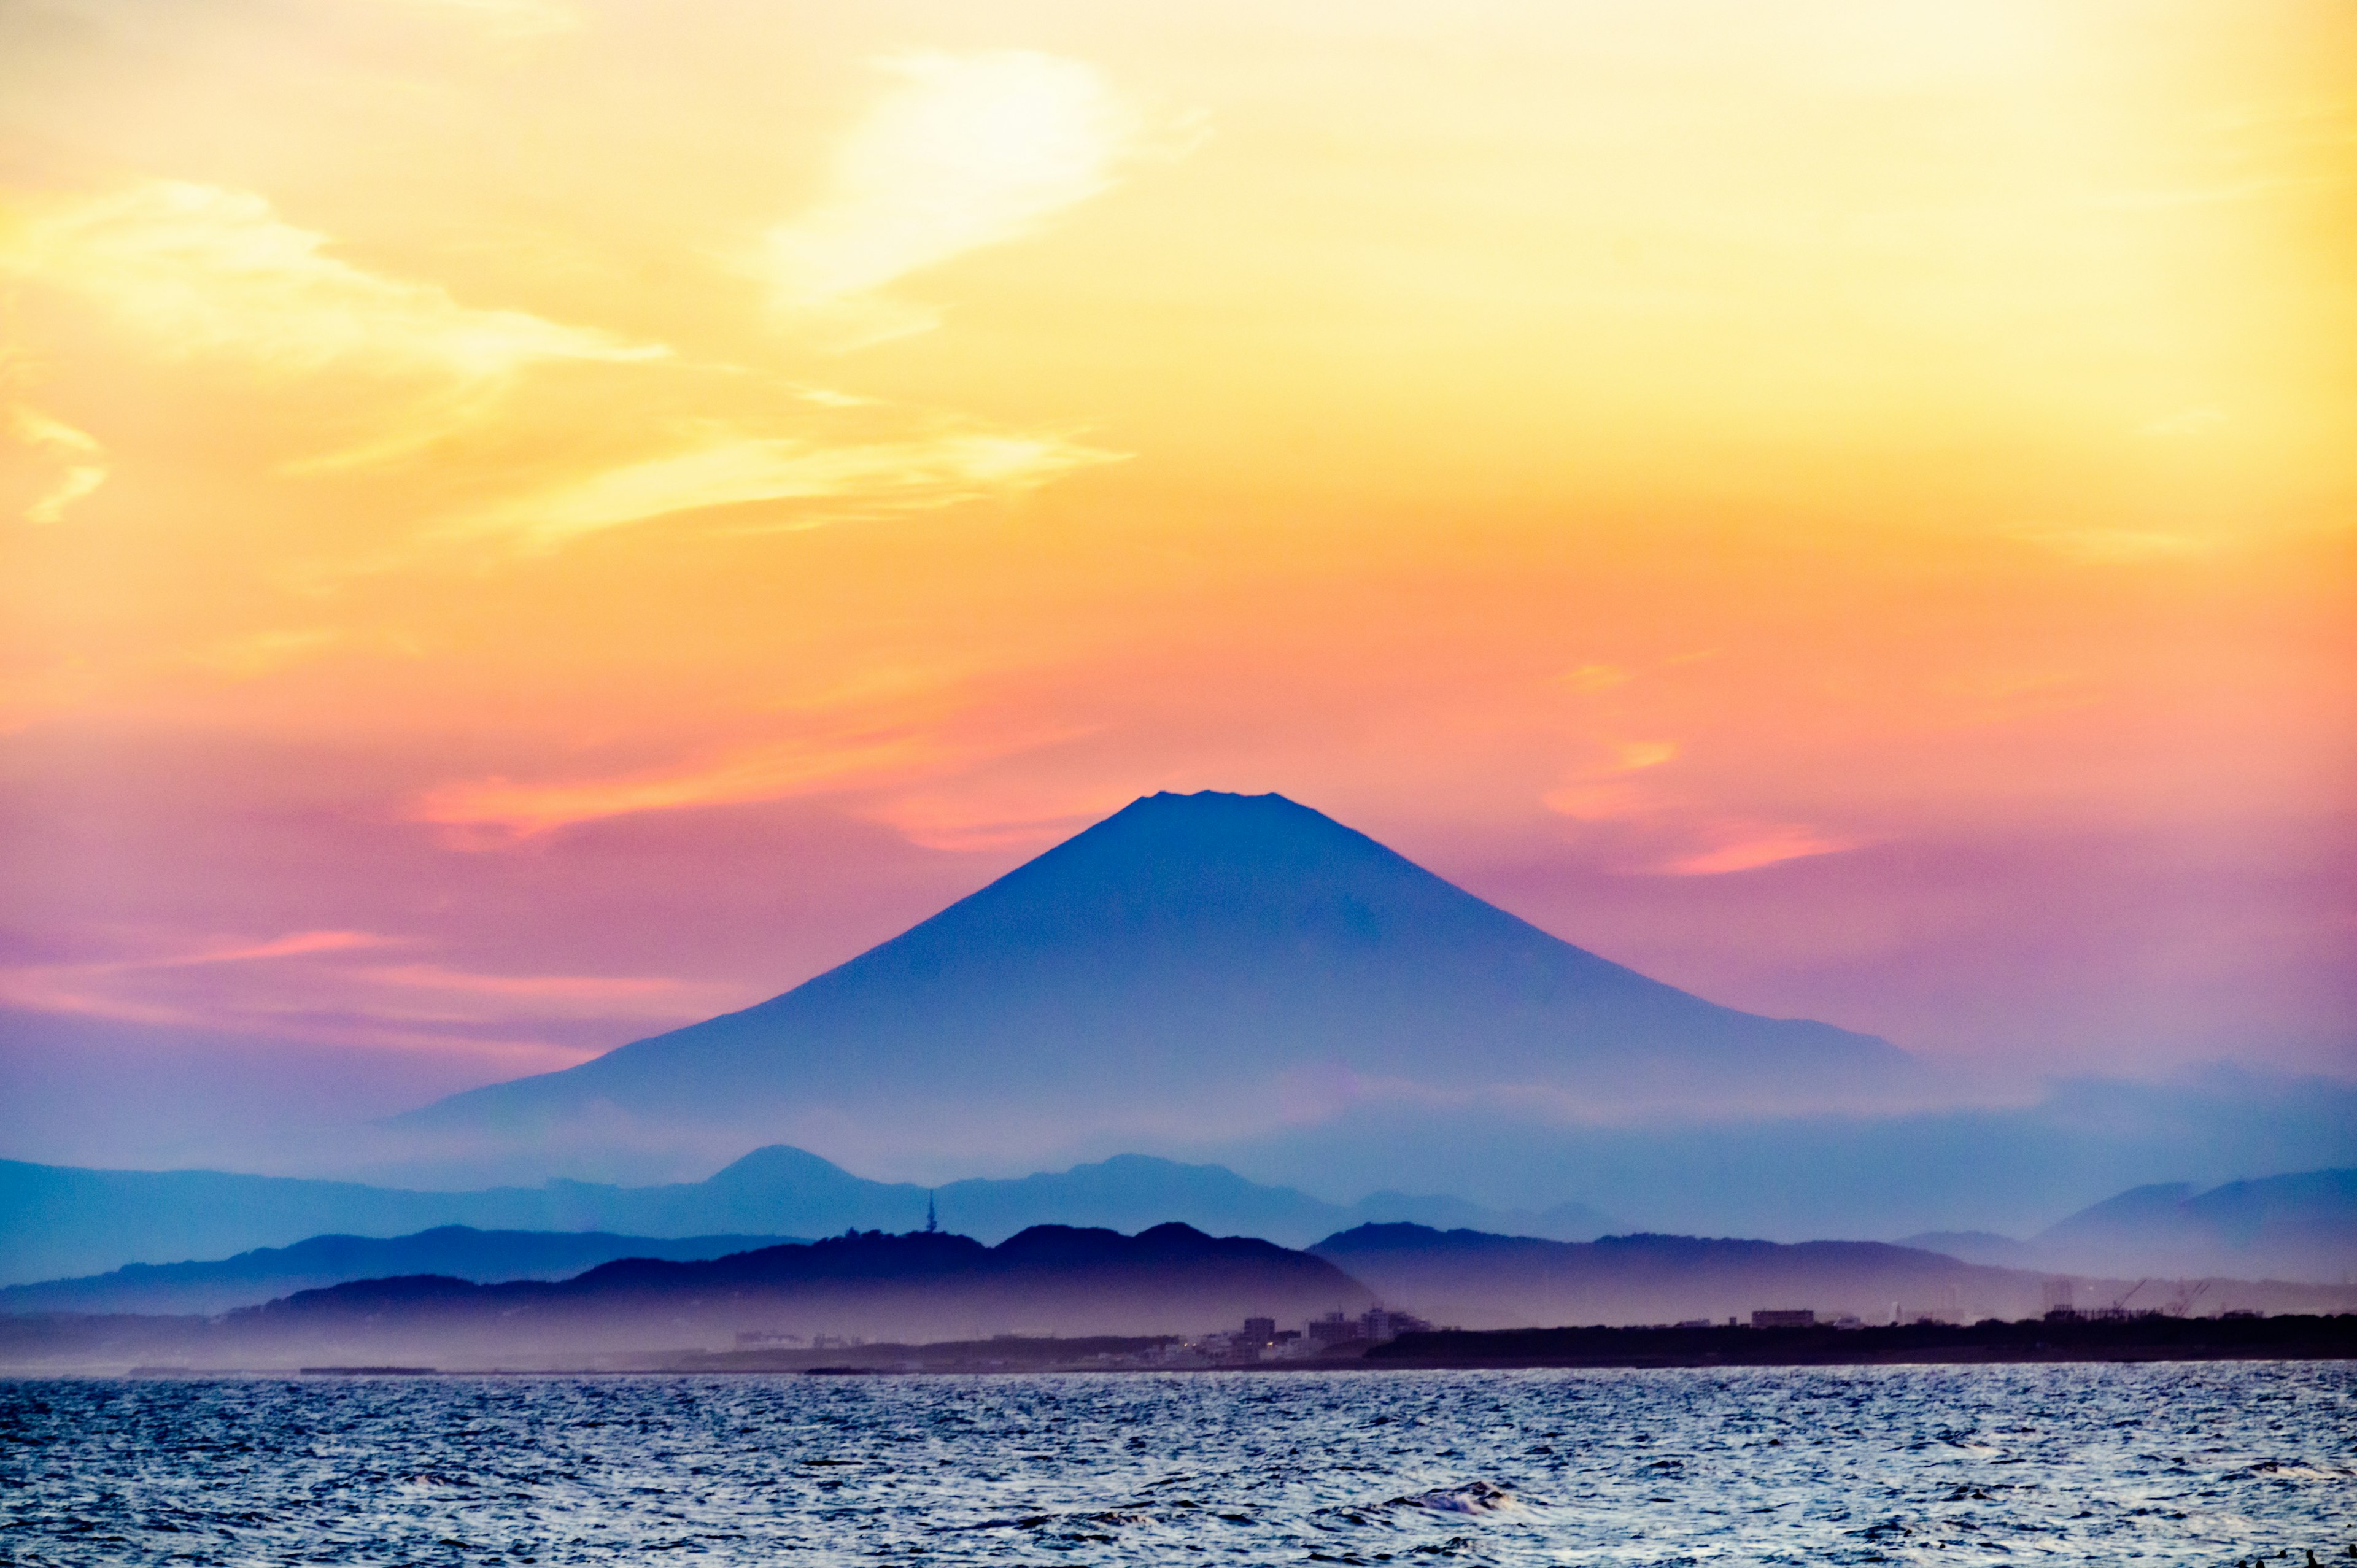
x=1193 y=966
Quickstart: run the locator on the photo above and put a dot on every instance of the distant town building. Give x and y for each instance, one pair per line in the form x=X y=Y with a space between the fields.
x=1331 y=1329
x=1946 y=1316
x=1260 y=1340
x=1378 y=1323
x=755 y=1338
x=1800 y=1317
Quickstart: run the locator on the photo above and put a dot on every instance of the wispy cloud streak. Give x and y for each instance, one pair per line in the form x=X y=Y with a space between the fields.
x=766 y=772
x=80 y=452
x=734 y=469
x=967 y=151
x=204 y=270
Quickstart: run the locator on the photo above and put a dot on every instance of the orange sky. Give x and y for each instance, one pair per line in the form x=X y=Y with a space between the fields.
x=523 y=521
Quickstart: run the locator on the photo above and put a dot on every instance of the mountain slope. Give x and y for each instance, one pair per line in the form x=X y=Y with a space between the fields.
x=2296 y=1227
x=267 y=1272
x=1975 y=1247
x=1186 y=953
x=2299 y=1227
x=1503 y=1281
x=1479 y=1281
x=56 y=1220
x=1047 y=1279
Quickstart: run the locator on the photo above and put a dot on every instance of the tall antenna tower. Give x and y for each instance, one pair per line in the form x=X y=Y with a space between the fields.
x=933 y=1220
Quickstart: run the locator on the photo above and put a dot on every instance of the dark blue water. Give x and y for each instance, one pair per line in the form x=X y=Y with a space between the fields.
x=2203 y=1462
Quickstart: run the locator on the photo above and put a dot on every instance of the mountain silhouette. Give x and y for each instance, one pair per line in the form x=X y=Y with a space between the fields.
x=1187 y=951
x=1057 y=1279
x=266 y=1273
x=1506 y=1282
x=57 y=1220
x=2301 y=1226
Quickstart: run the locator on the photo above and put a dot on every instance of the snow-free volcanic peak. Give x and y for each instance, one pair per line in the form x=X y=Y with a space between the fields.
x=1188 y=956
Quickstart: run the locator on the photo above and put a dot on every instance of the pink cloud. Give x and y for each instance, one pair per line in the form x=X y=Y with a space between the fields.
x=1756 y=849
x=766 y=772
x=298 y=944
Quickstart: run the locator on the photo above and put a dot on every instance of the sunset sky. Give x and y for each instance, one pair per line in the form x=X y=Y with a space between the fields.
x=524 y=522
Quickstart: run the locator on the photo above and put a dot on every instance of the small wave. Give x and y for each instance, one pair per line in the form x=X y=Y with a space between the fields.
x=1065 y=1521
x=1019 y=1521
x=1473 y=1497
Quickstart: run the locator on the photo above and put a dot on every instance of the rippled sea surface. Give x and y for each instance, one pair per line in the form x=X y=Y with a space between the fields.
x=2203 y=1462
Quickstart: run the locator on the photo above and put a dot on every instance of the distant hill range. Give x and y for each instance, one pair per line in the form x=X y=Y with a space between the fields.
x=1478 y=1282
x=1048 y=1280
x=1056 y=1281
x=56 y=1220
x=1169 y=966
x=268 y=1272
x=2299 y=1227
x=62 y=1228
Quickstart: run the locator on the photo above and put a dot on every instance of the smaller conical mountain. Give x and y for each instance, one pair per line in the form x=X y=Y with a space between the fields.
x=1184 y=952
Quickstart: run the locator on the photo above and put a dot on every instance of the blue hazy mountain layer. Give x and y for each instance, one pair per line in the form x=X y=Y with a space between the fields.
x=1137 y=1281
x=1052 y=1281
x=265 y=1272
x=2302 y=1225
x=2173 y=1463
x=57 y=1221
x=2009 y=1169
x=1496 y=1282
x=2268 y=1226
x=1975 y=1247
x=1479 y=1281
x=1187 y=949
x=1785 y=1178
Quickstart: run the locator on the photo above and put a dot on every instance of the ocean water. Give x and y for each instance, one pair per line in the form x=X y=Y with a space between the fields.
x=2190 y=1463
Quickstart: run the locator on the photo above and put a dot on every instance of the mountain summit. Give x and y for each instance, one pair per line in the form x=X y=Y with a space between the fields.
x=1212 y=955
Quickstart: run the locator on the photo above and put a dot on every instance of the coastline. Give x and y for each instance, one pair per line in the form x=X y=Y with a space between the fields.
x=1991 y=1342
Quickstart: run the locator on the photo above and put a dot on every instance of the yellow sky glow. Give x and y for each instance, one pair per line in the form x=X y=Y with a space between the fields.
x=1705 y=435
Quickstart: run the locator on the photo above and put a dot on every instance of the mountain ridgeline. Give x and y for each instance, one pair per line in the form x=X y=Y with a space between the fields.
x=2301 y=1226
x=2294 y=1227
x=265 y=1273
x=799 y=1300
x=57 y=1221
x=1187 y=951
x=1483 y=1280
x=1049 y=1280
